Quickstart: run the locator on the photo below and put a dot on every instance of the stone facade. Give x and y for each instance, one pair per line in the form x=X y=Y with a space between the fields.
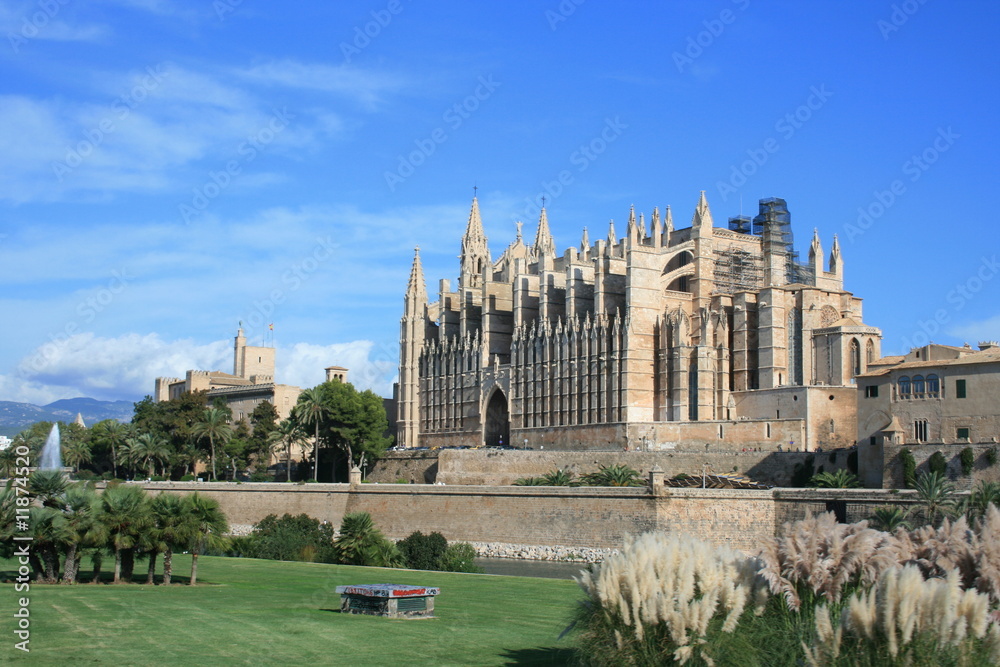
x=662 y=338
x=935 y=397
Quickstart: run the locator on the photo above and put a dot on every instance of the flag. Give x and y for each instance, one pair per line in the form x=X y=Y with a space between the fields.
x=271 y=326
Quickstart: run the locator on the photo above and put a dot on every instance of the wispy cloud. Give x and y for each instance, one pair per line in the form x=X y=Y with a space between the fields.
x=365 y=86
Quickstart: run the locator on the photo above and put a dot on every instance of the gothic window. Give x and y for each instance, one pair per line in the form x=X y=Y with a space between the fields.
x=920 y=430
x=795 y=347
x=828 y=316
x=903 y=385
x=933 y=386
x=855 y=357
x=870 y=352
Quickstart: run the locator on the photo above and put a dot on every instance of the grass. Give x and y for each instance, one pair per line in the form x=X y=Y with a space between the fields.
x=258 y=612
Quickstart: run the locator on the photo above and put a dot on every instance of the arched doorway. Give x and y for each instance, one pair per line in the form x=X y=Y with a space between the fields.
x=497 y=421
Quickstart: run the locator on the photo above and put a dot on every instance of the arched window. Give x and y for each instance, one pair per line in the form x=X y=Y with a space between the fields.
x=855 y=357
x=904 y=386
x=918 y=385
x=933 y=386
x=870 y=352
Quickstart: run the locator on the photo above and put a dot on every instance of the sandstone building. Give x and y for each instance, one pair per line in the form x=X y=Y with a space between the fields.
x=250 y=383
x=665 y=338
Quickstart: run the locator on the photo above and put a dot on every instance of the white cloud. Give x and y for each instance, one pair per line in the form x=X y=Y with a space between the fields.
x=125 y=367
x=365 y=86
x=974 y=332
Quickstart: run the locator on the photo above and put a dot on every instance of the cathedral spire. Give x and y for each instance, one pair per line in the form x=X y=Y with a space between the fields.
x=612 y=237
x=668 y=221
x=836 y=261
x=416 y=290
x=585 y=241
x=475 y=249
x=702 y=215
x=544 y=243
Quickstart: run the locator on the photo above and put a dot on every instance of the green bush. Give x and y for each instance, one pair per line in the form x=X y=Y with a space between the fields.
x=968 y=459
x=613 y=475
x=423 y=552
x=361 y=543
x=188 y=478
x=803 y=472
x=460 y=557
x=157 y=478
x=992 y=456
x=261 y=477
x=909 y=465
x=938 y=463
x=298 y=538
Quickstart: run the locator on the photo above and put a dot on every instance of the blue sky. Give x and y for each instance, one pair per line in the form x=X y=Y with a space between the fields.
x=168 y=169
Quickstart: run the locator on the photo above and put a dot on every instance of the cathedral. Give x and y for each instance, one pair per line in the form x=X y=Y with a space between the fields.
x=700 y=337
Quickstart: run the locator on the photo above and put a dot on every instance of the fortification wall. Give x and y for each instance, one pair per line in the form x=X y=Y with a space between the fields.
x=892 y=468
x=574 y=517
x=499 y=467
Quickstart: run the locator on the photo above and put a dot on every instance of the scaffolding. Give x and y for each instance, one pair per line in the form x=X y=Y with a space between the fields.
x=740 y=224
x=774 y=224
x=737 y=270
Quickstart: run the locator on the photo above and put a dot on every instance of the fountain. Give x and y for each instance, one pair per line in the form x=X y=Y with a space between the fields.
x=51 y=458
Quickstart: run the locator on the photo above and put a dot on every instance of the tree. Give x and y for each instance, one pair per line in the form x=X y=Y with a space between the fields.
x=423 y=552
x=149 y=449
x=208 y=527
x=46 y=525
x=112 y=434
x=311 y=410
x=214 y=425
x=296 y=538
x=936 y=495
x=361 y=543
x=888 y=519
x=613 y=475
x=125 y=514
x=82 y=527
x=48 y=487
x=264 y=420
x=76 y=451
x=354 y=422
x=841 y=479
x=287 y=433
x=170 y=518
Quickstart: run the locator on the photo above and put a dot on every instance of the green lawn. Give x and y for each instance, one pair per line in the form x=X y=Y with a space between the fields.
x=257 y=612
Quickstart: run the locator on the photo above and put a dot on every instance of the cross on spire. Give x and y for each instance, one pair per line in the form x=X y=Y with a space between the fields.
x=543 y=201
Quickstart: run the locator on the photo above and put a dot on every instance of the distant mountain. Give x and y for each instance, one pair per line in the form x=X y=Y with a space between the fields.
x=14 y=417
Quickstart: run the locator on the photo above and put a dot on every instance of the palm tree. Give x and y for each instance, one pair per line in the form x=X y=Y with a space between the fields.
x=114 y=434
x=287 y=433
x=76 y=451
x=613 y=475
x=124 y=512
x=208 y=527
x=82 y=527
x=312 y=410
x=888 y=519
x=48 y=487
x=47 y=534
x=8 y=520
x=214 y=425
x=984 y=495
x=150 y=449
x=936 y=495
x=559 y=478
x=170 y=514
x=841 y=479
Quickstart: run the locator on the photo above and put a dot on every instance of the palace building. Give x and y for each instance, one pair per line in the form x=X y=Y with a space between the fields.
x=666 y=338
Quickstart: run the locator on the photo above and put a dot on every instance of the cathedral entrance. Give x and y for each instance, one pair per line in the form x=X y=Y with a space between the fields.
x=497 y=421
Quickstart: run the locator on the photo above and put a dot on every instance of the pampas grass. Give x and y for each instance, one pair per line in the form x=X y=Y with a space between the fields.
x=658 y=597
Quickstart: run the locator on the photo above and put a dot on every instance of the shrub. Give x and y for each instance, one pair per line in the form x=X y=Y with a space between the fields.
x=992 y=456
x=157 y=478
x=909 y=465
x=852 y=461
x=297 y=538
x=261 y=477
x=460 y=557
x=530 y=481
x=968 y=460
x=938 y=463
x=361 y=543
x=841 y=479
x=613 y=475
x=188 y=478
x=423 y=552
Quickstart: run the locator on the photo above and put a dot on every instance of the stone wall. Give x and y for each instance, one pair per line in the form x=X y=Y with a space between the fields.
x=498 y=467
x=413 y=467
x=885 y=460
x=591 y=518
